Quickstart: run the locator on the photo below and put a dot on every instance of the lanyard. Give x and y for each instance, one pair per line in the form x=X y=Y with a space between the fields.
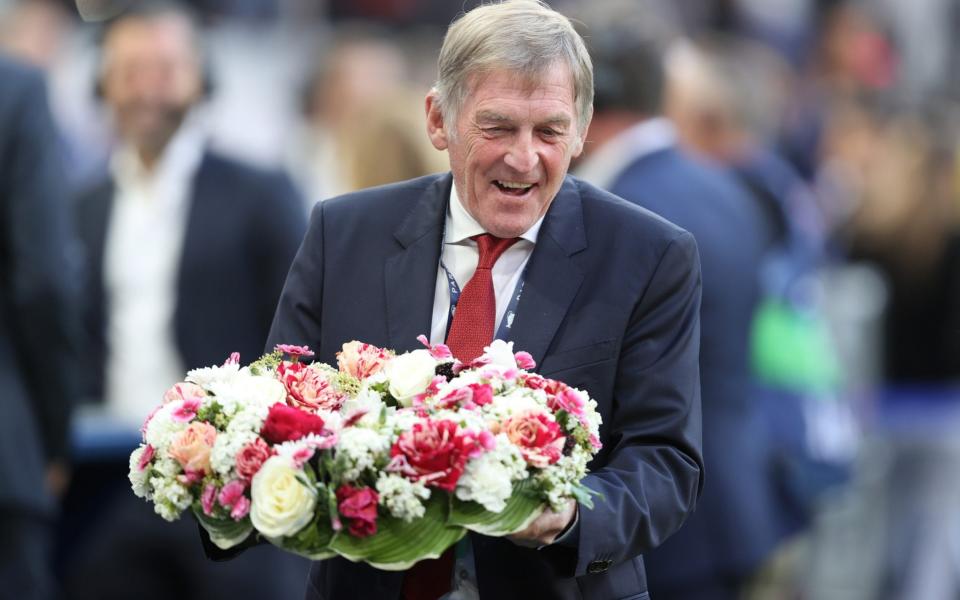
x=506 y=323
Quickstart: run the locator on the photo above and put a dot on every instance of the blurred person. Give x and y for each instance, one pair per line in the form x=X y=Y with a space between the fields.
x=387 y=144
x=359 y=70
x=186 y=253
x=608 y=299
x=37 y=334
x=634 y=152
x=34 y=30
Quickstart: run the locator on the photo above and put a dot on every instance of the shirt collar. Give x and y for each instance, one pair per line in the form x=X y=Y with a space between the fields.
x=462 y=226
x=179 y=161
x=603 y=166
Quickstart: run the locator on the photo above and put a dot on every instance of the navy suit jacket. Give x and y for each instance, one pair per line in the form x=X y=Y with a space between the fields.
x=37 y=317
x=735 y=524
x=610 y=304
x=243 y=229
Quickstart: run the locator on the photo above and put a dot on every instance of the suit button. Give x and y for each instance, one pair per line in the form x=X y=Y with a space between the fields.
x=599 y=566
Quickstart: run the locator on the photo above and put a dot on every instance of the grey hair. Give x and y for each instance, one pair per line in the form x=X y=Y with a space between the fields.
x=526 y=37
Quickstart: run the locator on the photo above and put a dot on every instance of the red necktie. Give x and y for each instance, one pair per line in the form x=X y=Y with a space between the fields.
x=470 y=332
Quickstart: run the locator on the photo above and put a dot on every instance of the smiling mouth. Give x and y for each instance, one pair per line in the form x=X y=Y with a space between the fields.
x=514 y=188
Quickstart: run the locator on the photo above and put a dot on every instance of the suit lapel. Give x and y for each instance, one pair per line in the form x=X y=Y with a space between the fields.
x=553 y=277
x=410 y=275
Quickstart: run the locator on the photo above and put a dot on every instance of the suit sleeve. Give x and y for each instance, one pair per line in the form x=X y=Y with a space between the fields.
x=654 y=472
x=42 y=280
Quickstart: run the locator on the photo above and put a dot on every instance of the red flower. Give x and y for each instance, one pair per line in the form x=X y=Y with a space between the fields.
x=251 y=457
x=285 y=423
x=308 y=387
x=435 y=452
x=359 y=506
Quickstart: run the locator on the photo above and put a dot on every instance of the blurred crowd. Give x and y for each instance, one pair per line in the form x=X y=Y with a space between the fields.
x=811 y=147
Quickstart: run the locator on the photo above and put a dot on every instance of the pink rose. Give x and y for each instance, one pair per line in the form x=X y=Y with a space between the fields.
x=538 y=437
x=286 y=423
x=191 y=447
x=251 y=457
x=183 y=391
x=433 y=452
x=308 y=387
x=359 y=507
x=362 y=360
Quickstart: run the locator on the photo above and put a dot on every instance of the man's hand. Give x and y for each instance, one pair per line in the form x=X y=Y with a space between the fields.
x=545 y=528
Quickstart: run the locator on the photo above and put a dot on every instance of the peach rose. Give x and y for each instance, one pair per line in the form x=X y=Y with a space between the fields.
x=183 y=391
x=538 y=437
x=191 y=448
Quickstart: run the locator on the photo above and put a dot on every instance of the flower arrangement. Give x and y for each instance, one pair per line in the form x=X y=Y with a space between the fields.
x=388 y=458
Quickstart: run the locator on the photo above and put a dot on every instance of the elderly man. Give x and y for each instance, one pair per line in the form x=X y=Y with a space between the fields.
x=603 y=294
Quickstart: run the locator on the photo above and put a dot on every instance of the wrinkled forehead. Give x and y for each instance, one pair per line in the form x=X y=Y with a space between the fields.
x=528 y=82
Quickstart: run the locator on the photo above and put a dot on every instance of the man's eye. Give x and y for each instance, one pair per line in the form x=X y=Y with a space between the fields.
x=494 y=129
x=549 y=132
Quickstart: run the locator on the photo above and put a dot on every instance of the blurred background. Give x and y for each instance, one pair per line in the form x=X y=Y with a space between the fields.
x=195 y=136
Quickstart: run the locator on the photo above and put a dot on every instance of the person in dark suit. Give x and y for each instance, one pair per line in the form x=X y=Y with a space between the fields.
x=186 y=253
x=37 y=328
x=609 y=302
x=635 y=155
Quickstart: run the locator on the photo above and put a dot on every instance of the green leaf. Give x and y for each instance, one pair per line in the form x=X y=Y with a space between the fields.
x=224 y=533
x=312 y=541
x=584 y=495
x=397 y=545
x=522 y=508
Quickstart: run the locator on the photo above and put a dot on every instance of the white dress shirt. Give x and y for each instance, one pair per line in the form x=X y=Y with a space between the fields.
x=460 y=255
x=141 y=267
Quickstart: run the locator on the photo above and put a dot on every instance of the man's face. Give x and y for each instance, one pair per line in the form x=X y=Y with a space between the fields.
x=512 y=146
x=151 y=78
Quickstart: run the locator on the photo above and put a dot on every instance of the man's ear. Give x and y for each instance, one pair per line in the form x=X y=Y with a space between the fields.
x=436 y=130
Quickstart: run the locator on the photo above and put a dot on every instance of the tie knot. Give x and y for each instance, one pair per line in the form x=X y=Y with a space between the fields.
x=491 y=247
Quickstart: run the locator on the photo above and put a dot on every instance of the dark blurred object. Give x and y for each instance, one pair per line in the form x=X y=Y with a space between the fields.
x=186 y=255
x=634 y=152
x=37 y=329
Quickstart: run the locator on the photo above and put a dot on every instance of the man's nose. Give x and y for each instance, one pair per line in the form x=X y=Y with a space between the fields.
x=522 y=155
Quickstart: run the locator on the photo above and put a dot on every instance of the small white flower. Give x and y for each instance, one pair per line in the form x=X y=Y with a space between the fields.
x=402 y=497
x=207 y=376
x=162 y=428
x=359 y=449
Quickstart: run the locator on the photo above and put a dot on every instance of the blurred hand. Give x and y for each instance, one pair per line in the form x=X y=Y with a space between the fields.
x=58 y=478
x=545 y=528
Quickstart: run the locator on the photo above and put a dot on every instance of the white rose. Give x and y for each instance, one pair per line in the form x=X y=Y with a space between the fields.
x=500 y=354
x=409 y=374
x=281 y=504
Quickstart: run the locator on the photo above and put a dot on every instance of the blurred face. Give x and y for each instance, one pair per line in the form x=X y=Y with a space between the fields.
x=151 y=78
x=510 y=147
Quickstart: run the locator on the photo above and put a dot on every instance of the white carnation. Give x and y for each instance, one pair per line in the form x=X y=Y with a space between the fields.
x=207 y=376
x=488 y=479
x=402 y=497
x=359 y=448
x=248 y=390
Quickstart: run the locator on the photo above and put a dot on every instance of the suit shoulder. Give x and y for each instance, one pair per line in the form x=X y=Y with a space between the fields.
x=609 y=209
x=245 y=182
x=394 y=199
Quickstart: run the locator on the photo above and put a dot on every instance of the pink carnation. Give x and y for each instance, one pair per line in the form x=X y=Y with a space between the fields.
x=437 y=351
x=232 y=493
x=251 y=457
x=234 y=359
x=362 y=360
x=308 y=387
x=146 y=457
x=294 y=351
x=186 y=411
x=525 y=360
x=208 y=497
x=241 y=508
